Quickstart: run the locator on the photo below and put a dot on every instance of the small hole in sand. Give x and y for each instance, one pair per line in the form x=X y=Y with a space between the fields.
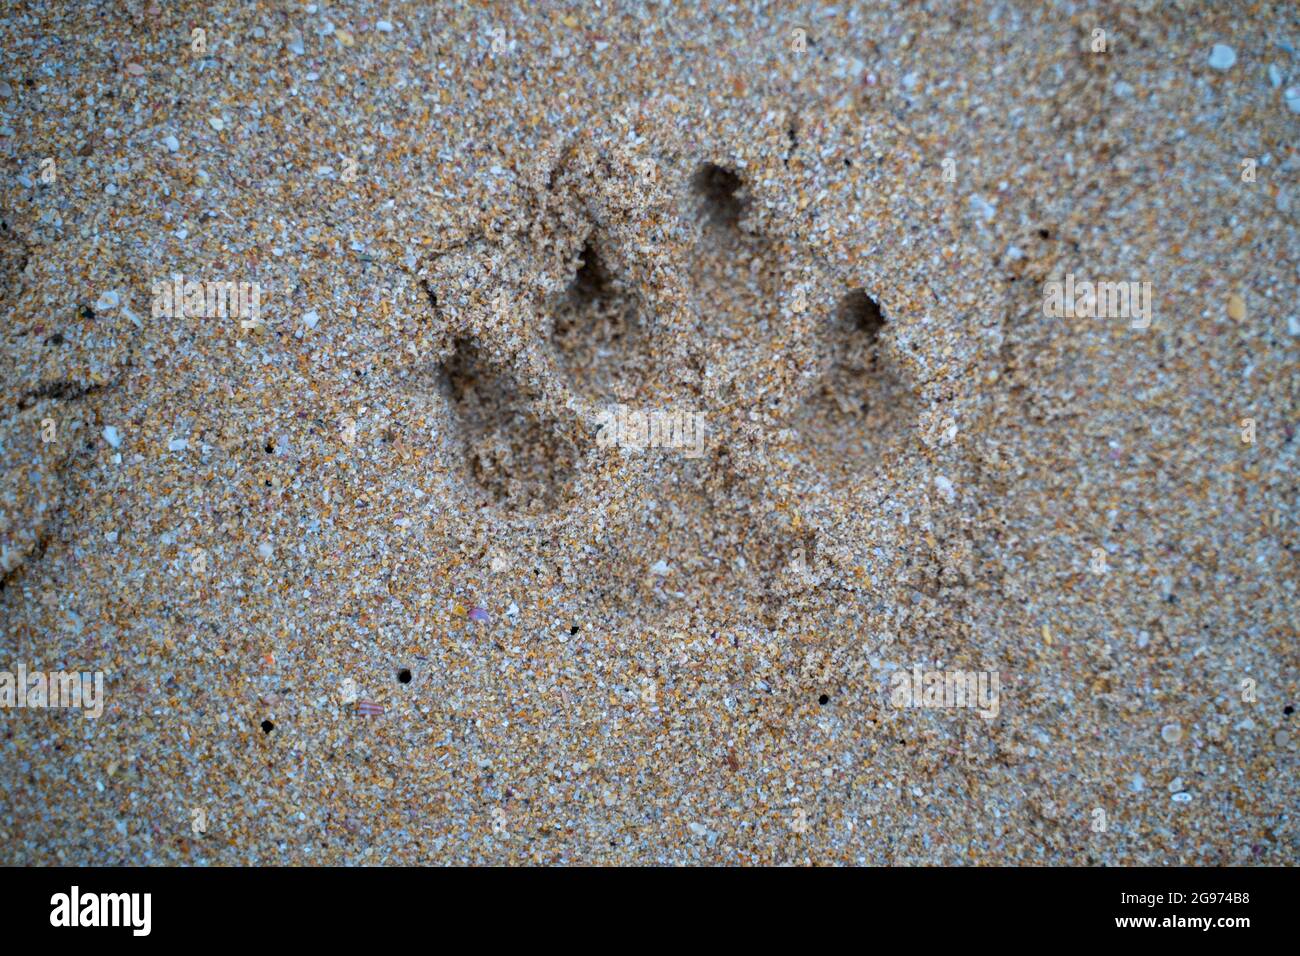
x=718 y=190
x=592 y=280
x=862 y=313
x=404 y=676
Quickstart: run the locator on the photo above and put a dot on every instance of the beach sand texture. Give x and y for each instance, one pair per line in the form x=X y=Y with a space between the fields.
x=384 y=574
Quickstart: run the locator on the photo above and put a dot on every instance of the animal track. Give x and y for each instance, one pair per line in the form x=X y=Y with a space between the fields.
x=862 y=410
x=623 y=282
x=598 y=330
x=738 y=271
x=515 y=457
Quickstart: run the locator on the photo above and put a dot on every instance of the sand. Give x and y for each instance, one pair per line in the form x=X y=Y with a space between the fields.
x=386 y=577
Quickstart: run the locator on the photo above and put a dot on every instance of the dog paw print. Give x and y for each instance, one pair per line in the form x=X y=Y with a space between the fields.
x=520 y=460
x=691 y=286
x=553 y=323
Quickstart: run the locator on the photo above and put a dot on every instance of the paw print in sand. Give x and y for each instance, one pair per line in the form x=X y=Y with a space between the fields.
x=700 y=286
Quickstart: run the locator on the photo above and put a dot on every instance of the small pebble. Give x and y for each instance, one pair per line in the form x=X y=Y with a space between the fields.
x=1236 y=307
x=113 y=436
x=1222 y=56
x=479 y=614
x=171 y=143
x=983 y=207
x=1171 y=733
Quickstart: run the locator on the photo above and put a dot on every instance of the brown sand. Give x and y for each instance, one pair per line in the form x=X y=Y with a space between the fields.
x=470 y=244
